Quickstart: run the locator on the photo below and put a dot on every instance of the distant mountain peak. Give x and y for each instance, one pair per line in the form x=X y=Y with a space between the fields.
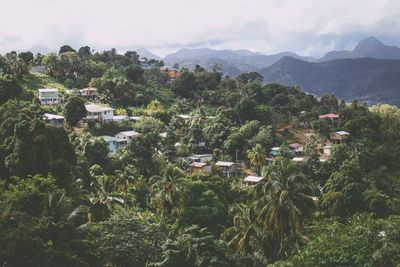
x=370 y=47
x=143 y=52
x=368 y=44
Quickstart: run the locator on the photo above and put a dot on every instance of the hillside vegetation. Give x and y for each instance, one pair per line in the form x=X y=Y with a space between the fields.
x=198 y=169
x=34 y=81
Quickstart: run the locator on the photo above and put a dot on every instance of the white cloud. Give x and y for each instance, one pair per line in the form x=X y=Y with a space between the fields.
x=268 y=26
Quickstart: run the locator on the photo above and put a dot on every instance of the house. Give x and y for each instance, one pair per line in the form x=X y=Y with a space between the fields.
x=304 y=120
x=171 y=72
x=163 y=135
x=111 y=142
x=252 y=180
x=127 y=135
x=296 y=148
x=199 y=167
x=120 y=118
x=184 y=117
x=298 y=159
x=328 y=150
x=340 y=136
x=227 y=168
x=331 y=116
x=48 y=96
x=53 y=119
x=89 y=94
x=274 y=151
x=203 y=158
x=98 y=114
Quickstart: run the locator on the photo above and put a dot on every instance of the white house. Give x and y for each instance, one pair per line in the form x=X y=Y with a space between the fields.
x=98 y=114
x=252 y=180
x=120 y=118
x=203 y=158
x=111 y=142
x=296 y=147
x=227 y=168
x=54 y=119
x=199 y=167
x=340 y=136
x=48 y=96
x=89 y=94
x=126 y=135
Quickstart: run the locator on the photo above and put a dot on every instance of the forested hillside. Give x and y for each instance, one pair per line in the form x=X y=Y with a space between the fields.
x=364 y=79
x=120 y=161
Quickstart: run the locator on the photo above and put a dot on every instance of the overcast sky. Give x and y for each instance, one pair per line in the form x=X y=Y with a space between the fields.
x=307 y=27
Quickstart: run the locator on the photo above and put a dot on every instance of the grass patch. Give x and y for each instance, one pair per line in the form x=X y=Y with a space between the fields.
x=34 y=81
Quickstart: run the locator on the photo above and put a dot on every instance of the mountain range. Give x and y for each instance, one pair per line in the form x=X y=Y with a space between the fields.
x=370 y=72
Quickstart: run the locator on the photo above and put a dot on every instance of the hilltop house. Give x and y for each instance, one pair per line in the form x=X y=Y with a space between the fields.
x=171 y=72
x=111 y=142
x=128 y=135
x=98 y=114
x=53 y=119
x=252 y=180
x=227 y=168
x=199 y=167
x=274 y=151
x=331 y=116
x=89 y=94
x=203 y=158
x=296 y=148
x=340 y=136
x=48 y=96
x=120 y=118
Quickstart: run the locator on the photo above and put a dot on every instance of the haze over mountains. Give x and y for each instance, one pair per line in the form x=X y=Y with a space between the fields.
x=370 y=72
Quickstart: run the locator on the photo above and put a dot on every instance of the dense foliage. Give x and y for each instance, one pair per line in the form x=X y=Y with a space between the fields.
x=66 y=201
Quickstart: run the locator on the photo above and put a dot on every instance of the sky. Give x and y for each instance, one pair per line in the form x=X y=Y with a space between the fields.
x=307 y=27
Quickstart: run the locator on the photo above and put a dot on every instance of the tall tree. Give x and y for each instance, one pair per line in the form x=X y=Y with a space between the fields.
x=74 y=110
x=285 y=204
x=257 y=157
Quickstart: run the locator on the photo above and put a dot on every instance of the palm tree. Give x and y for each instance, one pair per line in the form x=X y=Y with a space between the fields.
x=103 y=196
x=285 y=203
x=257 y=158
x=246 y=237
x=123 y=180
x=165 y=190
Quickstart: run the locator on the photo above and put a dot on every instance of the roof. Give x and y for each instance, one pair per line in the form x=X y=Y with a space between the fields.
x=164 y=135
x=329 y=116
x=254 y=179
x=47 y=90
x=109 y=138
x=88 y=89
x=298 y=159
x=50 y=116
x=96 y=108
x=275 y=148
x=120 y=117
x=342 y=133
x=129 y=133
x=224 y=163
x=201 y=156
x=183 y=116
x=295 y=145
x=198 y=164
x=328 y=147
